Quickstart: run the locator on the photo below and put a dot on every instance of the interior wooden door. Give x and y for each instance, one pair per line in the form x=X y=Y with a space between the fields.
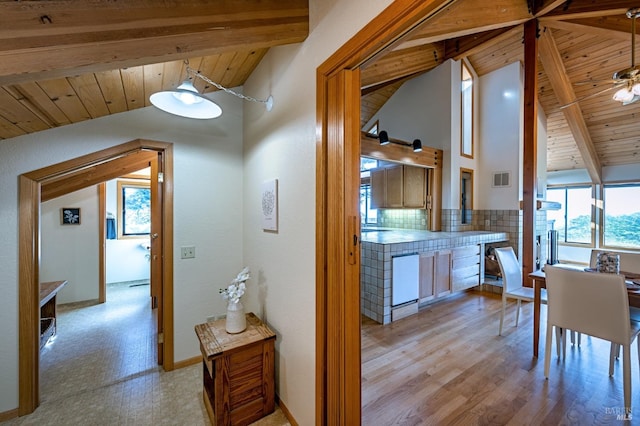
x=155 y=257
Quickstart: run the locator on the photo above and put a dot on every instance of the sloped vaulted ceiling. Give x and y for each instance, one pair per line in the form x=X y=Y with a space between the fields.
x=65 y=61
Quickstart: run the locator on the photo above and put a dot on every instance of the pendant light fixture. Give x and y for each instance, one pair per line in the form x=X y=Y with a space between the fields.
x=185 y=101
x=417 y=145
x=383 y=137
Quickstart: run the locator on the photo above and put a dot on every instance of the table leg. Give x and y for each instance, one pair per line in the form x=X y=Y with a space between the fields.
x=536 y=316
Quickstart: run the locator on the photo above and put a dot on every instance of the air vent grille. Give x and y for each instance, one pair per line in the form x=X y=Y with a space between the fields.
x=501 y=179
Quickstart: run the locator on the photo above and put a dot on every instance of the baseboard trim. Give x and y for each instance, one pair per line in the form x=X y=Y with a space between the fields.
x=286 y=412
x=8 y=415
x=187 y=362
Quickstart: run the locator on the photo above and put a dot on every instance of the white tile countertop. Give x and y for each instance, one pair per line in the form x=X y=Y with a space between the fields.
x=395 y=236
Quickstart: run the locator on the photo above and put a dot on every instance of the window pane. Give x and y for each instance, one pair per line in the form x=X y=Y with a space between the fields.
x=578 y=215
x=136 y=215
x=467 y=112
x=573 y=221
x=557 y=216
x=367 y=214
x=622 y=216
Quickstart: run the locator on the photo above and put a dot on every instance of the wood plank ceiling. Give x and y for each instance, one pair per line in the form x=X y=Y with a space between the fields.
x=63 y=62
x=592 y=41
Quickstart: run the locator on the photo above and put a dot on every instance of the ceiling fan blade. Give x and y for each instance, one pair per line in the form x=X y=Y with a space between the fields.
x=596 y=82
x=592 y=95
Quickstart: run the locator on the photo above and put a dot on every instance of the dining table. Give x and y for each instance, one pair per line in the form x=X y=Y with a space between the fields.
x=539 y=282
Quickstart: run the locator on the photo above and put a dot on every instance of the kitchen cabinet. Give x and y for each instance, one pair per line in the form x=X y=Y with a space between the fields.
x=435 y=275
x=414 y=187
x=399 y=186
x=465 y=267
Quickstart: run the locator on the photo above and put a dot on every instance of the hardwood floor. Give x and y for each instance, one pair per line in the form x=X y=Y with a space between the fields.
x=447 y=365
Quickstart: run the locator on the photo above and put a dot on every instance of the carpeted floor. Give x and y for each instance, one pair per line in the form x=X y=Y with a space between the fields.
x=101 y=369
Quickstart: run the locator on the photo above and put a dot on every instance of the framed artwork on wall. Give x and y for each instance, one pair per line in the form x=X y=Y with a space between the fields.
x=269 y=205
x=70 y=215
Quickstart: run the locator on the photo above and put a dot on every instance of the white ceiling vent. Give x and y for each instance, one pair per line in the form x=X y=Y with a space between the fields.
x=501 y=179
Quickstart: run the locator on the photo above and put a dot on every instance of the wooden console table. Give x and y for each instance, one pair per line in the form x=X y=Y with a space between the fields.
x=48 y=293
x=238 y=371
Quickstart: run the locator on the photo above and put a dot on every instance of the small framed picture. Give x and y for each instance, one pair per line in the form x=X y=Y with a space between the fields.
x=70 y=215
x=270 y=205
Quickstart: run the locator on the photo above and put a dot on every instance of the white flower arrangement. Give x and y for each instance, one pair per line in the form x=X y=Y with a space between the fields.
x=234 y=292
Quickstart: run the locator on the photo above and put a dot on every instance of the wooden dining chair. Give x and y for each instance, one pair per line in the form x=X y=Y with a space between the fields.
x=572 y=298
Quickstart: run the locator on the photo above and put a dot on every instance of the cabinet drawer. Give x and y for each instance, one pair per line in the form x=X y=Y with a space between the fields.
x=462 y=273
x=466 y=251
x=465 y=283
x=463 y=262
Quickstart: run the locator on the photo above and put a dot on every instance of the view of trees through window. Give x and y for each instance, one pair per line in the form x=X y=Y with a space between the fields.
x=136 y=212
x=622 y=216
x=574 y=221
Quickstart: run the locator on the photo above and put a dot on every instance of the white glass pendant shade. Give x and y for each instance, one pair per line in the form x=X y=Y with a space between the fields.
x=623 y=95
x=185 y=101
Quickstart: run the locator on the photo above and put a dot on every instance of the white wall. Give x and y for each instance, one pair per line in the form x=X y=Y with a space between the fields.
x=282 y=144
x=70 y=252
x=208 y=206
x=125 y=257
x=428 y=108
x=500 y=137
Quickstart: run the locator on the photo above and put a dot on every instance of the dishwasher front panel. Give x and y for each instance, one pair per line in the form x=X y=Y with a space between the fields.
x=405 y=279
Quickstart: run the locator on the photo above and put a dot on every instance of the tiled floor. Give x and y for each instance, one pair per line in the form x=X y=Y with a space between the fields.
x=101 y=370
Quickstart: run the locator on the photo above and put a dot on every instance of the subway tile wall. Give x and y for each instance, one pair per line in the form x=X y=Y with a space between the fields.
x=403 y=218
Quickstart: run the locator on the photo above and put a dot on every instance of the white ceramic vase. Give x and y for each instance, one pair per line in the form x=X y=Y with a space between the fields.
x=236 y=321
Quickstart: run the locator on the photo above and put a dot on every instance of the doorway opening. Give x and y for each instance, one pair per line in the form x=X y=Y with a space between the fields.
x=59 y=179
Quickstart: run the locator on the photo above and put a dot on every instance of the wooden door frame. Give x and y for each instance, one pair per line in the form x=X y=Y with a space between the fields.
x=337 y=287
x=59 y=179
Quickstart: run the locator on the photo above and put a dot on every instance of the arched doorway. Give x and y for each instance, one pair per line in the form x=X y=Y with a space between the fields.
x=69 y=176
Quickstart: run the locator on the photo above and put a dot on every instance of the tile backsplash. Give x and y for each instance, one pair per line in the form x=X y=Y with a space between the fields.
x=509 y=221
x=403 y=218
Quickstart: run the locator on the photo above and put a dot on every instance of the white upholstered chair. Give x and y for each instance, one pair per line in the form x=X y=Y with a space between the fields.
x=574 y=296
x=512 y=287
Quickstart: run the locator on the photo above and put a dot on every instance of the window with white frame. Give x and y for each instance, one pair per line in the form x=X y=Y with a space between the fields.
x=621 y=225
x=574 y=221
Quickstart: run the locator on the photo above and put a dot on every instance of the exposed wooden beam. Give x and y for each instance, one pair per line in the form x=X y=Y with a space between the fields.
x=385 y=84
x=588 y=9
x=469 y=17
x=402 y=63
x=460 y=47
x=614 y=27
x=554 y=67
x=547 y=6
x=60 y=38
x=400 y=152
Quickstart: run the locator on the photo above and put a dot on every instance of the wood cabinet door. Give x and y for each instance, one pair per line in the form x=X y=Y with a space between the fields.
x=427 y=276
x=443 y=273
x=395 y=186
x=378 y=188
x=415 y=187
